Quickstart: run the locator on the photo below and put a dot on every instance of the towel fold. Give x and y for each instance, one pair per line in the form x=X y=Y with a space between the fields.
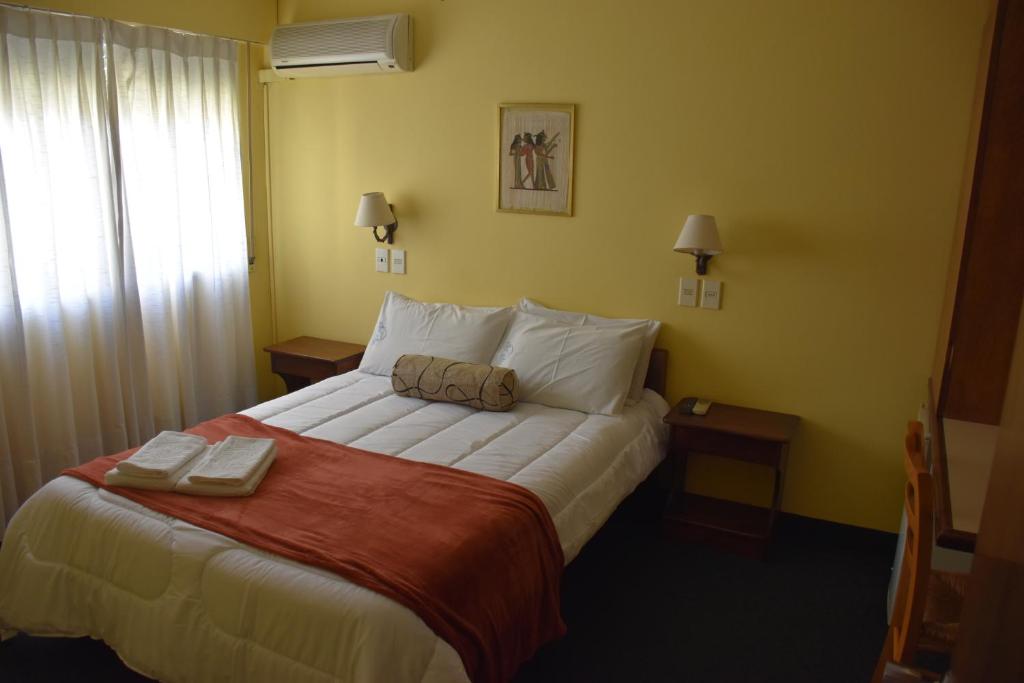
x=233 y=461
x=164 y=454
x=246 y=488
x=116 y=477
x=178 y=480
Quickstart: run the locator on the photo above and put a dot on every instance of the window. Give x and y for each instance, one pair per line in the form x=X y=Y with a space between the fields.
x=124 y=304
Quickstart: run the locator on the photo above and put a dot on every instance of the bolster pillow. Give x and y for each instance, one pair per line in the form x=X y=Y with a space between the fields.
x=484 y=387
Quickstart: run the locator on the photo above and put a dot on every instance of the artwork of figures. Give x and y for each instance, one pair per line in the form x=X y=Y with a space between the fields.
x=535 y=158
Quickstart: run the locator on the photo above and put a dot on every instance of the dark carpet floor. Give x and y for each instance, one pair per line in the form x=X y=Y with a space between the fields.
x=641 y=608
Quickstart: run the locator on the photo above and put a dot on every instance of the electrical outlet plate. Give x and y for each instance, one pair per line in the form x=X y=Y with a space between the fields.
x=398 y=261
x=381 y=260
x=711 y=294
x=687 y=291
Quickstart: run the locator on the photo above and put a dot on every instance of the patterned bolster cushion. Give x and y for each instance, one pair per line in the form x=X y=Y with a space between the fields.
x=484 y=387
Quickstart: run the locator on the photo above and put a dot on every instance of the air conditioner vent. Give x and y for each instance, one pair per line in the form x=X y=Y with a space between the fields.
x=335 y=38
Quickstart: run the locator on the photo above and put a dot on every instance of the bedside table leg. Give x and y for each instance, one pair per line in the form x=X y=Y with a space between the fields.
x=294 y=382
x=780 y=479
x=677 y=487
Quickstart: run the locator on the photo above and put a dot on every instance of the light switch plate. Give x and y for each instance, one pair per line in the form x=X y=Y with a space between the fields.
x=381 y=260
x=398 y=261
x=711 y=294
x=687 y=291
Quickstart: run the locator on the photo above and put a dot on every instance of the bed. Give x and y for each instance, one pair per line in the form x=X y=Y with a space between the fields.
x=79 y=560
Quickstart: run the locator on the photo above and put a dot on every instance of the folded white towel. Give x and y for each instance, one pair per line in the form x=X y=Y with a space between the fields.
x=244 y=489
x=233 y=461
x=163 y=454
x=116 y=477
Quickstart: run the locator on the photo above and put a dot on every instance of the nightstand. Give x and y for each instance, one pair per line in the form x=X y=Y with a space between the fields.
x=304 y=360
x=756 y=436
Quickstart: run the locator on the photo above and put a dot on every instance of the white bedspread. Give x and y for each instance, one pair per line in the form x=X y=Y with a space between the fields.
x=181 y=603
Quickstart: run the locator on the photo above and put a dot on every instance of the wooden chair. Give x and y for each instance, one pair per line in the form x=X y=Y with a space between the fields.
x=926 y=609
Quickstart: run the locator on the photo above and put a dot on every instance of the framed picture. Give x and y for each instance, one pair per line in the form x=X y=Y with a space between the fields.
x=535 y=150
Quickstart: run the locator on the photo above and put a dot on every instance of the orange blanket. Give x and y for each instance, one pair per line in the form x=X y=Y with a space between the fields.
x=476 y=558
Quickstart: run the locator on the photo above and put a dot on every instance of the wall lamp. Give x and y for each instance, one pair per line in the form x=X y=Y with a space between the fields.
x=374 y=211
x=699 y=237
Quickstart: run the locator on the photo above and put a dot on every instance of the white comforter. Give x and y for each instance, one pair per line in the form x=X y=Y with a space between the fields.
x=180 y=603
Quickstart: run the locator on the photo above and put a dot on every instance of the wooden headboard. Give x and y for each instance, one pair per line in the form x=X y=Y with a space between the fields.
x=657 y=371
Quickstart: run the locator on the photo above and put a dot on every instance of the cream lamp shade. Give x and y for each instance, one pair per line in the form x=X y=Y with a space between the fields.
x=375 y=211
x=699 y=237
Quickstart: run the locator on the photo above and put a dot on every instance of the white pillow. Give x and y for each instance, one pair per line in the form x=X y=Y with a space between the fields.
x=650 y=335
x=579 y=367
x=457 y=332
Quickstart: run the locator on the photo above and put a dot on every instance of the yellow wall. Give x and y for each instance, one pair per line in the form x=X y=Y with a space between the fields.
x=242 y=19
x=827 y=137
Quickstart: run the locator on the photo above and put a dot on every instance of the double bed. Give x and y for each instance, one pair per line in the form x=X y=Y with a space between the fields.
x=178 y=602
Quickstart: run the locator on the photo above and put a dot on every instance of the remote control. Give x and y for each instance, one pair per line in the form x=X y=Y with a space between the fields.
x=701 y=406
x=686 y=405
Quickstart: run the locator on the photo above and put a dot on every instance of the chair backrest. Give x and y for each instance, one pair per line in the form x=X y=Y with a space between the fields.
x=911 y=591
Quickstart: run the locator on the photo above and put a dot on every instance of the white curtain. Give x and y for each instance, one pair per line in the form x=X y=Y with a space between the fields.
x=123 y=273
x=177 y=107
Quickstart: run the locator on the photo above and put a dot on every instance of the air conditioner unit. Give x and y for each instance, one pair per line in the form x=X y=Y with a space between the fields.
x=368 y=45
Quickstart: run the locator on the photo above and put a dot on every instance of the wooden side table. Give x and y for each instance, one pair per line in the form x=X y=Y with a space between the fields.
x=304 y=360
x=746 y=434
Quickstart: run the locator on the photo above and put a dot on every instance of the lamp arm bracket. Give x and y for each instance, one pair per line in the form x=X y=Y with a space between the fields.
x=389 y=230
x=702 y=263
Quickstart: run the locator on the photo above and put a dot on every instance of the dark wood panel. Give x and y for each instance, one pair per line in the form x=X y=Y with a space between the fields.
x=756 y=424
x=991 y=282
x=941 y=354
x=304 y=360
x=724 y=515
x=992 y=626
x=316 y=348
x=735 y=527
x=732 y=446
x=657 y=371
x=309 y=368
x=946 y=535
x=756 y=436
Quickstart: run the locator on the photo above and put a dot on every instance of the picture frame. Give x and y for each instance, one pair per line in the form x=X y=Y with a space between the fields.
x=536 y=177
